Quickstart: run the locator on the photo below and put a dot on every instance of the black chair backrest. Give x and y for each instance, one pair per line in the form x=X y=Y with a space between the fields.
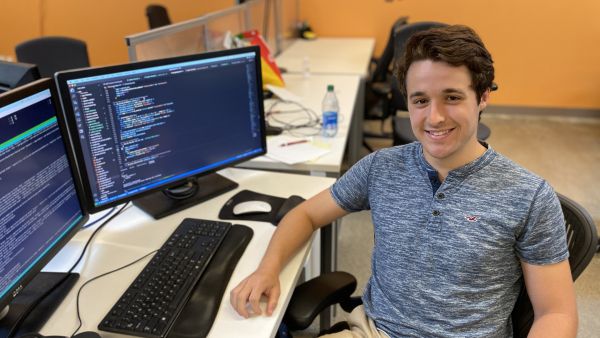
x=157 y=16
x=383 y=63
x=398 y=101
x=582 y=239
x=15 y=74
x=53 y=53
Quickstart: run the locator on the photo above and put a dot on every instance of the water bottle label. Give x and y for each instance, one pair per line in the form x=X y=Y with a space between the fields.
x=330 y=123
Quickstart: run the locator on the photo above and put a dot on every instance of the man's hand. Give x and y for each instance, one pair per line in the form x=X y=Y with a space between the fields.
x=246 y=296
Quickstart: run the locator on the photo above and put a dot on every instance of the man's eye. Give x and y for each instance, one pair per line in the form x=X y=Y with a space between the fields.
x=420 y=101
x=453 y=98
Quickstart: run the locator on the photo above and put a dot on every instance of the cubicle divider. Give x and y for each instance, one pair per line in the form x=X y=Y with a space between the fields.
x=276 y=20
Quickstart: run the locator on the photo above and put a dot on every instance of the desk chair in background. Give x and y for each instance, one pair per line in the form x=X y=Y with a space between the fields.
x=53 y=53
x=378 y=86
x=401 y=128
x=15 y=74
x=317 y=294
x=157 y=16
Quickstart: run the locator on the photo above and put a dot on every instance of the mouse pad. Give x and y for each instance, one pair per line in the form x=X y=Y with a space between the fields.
x=247 y=195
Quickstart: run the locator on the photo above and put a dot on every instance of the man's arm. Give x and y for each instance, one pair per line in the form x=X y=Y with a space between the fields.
x=294 y=230
x=550 y=289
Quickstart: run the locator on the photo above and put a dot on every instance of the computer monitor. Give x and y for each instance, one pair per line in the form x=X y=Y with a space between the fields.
x=40 y=208
x=15 y=74
x=152 y=131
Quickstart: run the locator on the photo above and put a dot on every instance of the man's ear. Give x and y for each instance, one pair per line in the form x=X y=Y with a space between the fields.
x=484 y=100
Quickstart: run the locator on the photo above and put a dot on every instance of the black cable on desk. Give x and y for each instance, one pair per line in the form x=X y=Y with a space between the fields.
x=99 y=219
x=80 y=322
x=310 y=121
x=42 y=297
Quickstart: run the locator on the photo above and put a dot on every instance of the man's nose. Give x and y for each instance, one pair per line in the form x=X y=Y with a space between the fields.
x=437 y=113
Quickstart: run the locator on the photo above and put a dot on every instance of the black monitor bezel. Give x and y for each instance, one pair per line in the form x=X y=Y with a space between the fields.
x=11 y=97
x=68 y=115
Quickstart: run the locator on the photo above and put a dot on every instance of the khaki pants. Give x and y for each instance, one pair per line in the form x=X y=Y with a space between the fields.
x=361 y=326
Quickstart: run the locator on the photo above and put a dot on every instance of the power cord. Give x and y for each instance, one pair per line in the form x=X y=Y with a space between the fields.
x=80 y=322
x=28 y=311
x=307 y=124
x=99 y=219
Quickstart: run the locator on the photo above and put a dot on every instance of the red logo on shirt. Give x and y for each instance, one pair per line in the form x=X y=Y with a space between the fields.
x=472 y=218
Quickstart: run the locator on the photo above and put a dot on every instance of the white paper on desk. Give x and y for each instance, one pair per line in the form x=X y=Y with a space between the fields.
x=295 y=153
x=284 y=94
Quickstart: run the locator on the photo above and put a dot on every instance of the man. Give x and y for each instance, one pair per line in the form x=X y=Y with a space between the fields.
x=456 y=224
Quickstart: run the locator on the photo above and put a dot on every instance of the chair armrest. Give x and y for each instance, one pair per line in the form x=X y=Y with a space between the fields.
x=313 y=296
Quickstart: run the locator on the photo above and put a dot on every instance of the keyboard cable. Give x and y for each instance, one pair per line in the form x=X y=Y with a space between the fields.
x=32 y=307
x=98 y=277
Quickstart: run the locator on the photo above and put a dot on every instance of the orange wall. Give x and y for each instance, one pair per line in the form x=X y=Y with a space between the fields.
x=546 y=52
x=101 y=24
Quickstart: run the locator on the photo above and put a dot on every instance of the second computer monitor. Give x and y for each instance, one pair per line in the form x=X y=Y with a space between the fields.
x=142 y=127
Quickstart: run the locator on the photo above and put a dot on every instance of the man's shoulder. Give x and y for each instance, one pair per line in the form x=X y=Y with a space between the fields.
x=505 y=171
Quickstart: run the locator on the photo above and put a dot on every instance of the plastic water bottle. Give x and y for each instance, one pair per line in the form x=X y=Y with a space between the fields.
x=330 y=113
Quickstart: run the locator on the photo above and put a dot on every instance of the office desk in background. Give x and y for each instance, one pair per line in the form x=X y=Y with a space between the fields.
x=335 y=56
x=134 y=234
x=311 y=90
x=338 y=56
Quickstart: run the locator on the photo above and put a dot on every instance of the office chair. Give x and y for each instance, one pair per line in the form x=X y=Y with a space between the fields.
x=53 y=53
x=157 y=16
x=402 y=131
x=378 y=89
x=15 y=74
x=311 y=297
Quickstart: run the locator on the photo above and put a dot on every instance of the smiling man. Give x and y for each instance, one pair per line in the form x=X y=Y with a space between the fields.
x=458 y=227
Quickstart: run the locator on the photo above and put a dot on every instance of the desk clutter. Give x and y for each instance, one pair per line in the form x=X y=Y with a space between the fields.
x=278 y=207
x=292 y=150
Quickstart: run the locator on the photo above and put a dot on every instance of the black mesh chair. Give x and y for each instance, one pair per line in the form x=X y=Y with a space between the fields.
x=157 y=16
x=15 y=74
x=317 y=294
x=378 y=86
x=53 y=53
x=402 y=131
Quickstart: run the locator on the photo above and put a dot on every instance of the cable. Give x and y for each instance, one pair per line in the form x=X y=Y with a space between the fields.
x=310 y=120
x=99 y=219
x=60 y=282
x=80 y=322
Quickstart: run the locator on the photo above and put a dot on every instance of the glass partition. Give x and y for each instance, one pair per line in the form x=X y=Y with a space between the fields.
x=223 y=24
x=276 y=20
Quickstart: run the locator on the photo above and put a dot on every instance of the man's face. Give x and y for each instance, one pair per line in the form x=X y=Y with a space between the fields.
x=444 y=111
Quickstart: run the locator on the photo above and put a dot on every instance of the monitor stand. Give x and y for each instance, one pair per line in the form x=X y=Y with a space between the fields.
x=164 y=203
x=55 y=284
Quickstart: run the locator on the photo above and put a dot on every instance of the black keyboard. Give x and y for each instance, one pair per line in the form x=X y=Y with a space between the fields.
x=151 y=304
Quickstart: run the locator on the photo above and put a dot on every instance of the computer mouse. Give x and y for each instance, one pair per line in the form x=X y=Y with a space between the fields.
x=251 y=207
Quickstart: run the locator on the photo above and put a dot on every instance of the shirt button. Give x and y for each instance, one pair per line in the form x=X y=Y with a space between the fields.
x=441 y=196
x=435 y=213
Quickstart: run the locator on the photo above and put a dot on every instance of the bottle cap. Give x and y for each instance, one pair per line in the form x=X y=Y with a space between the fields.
x=330 y=88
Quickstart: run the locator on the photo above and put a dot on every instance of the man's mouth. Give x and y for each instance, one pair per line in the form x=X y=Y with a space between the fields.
x=439 y=133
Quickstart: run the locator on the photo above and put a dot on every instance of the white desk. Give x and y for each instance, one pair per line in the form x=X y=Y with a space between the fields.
x=312 y=90
x=133 y=234
x=328 y=56
x=334 y=56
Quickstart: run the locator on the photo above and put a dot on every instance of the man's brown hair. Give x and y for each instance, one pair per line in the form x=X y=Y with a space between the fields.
x=456 y=45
